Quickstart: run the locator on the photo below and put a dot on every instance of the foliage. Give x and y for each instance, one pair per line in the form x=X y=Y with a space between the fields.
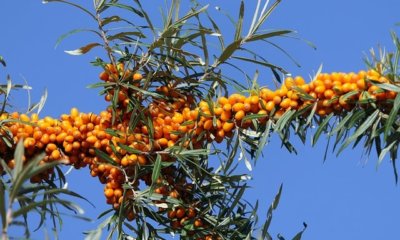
x=171 y=111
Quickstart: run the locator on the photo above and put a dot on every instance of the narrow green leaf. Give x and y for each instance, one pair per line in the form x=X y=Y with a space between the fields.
x=9 y=86
x=263 y=36
x=18 y=155
x=341 y=125
x=32 y=168
x=104 y=156
x=360 y=130
x=83 y=50
x=237 y=199
x=42 y=101
x=263 y=17
x=384 y=151
x=387 y=86
x=273 y=206
x=123 y=35
x=126 y=7
x=392 y=116
x=227 y=52
x=150 y=25
x=320 y=129
x=74 y=31
x=303 y=94
x=156 y=172
x=239 y=24
x=285 y=118
x=2 y=61
x=99 y=4
x=218 y=31
x=129 y=149
x=190 y=15
x=110 y=19
x=3 y=204
x=263 y=140
x=300 y=234
x=27 y=208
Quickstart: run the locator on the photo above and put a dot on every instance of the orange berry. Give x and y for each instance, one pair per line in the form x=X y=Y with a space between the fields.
x=270 y=106
x=239 y=115
x=320 y=89
x=223 y=100
x=91 y=139
x=227 y=107
x=191 y=213
x=109 y=192
x=329 y=93
x=208 y=124
x=277 y=100
x=51 y=147
x=171 y=214
x=55 y=154
x=137 y=77
x=74 y=113
x=104 y=76
x=198 y=223
x=254 y=99
x=228 y=126
x=285 y=103
x=180 y=212
x=29 y=142
x=226 y=116
x=237 y=107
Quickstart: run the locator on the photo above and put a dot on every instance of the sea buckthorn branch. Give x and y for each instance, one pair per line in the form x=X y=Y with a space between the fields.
x=120 y=152
x=150 y=148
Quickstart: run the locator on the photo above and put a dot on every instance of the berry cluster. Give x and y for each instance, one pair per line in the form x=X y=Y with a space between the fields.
x=115 y=148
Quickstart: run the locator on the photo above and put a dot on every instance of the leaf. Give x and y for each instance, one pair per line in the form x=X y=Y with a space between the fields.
x=27 y=208
x=264 y=138
x=18 y=155
x=104 y=156
x=156 y=172
x=2 y=61
x=387 y=86
x=32 y=168
x=300 y=234
x=110 y=19
x=227 y=52
x=320 y=129
x=123 y=35
x=273 y=206
x=237 y=199
x=239 y=25
x=264 y=36
x=126 y=7
x=83 y=50
x=360 y=130
x=264 y=15
x=42 y=101
x=65 y=35
x=384 y=151
x=218 y=31
x=3 y=204
x=129 y=149
x=392 y=116
x=285 y=118
x=99 y=4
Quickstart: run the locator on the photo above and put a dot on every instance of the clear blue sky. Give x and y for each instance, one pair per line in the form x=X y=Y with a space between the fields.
x=343 y=198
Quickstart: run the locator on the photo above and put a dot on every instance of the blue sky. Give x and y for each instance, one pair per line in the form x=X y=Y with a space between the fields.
x=345 y=197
